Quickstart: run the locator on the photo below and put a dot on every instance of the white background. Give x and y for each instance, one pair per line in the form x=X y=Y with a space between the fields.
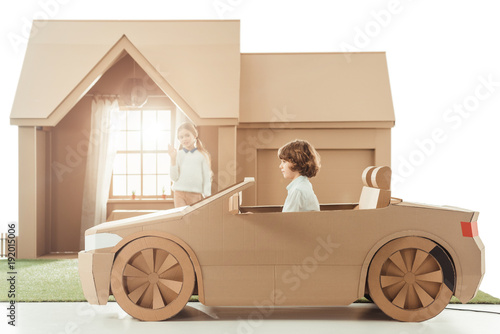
x=439 y=56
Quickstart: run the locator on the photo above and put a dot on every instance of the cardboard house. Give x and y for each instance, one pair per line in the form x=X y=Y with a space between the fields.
x=245 y=107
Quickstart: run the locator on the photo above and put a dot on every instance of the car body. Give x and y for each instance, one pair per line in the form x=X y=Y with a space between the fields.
x=260 y=256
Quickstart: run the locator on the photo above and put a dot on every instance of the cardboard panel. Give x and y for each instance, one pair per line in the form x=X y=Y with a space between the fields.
x=318 y=87
x=87 y=278
x=190 y=55
x=95 y=274
x=313 y=284
x=101 y=269
x=372 y=198
x=211 y=230
x=42 y=226
x=27 y=193
x=226 y=175
x=238 y=285
x=68 y=158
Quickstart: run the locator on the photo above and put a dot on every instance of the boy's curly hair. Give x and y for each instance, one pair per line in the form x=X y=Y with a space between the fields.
x=303 y=157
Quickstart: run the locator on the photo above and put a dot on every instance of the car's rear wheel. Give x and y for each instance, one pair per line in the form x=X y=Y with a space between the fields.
x=152 y=278
x=411 y=279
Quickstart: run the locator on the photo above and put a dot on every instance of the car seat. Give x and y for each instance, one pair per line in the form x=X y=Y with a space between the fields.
x=376 y=192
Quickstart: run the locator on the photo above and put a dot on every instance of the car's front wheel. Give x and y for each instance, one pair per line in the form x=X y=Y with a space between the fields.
x=411 y=279
x=152 y=278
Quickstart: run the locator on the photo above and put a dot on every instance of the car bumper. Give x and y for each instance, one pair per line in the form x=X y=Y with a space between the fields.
x=473 y=269
x=95 y=275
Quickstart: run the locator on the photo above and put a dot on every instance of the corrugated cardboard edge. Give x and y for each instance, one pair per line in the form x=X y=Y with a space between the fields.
x=95 y=275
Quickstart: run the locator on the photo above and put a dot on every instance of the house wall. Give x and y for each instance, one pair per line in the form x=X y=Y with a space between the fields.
x=68 y=143
x=344 y=154
x=27 y=193
x=41 y=191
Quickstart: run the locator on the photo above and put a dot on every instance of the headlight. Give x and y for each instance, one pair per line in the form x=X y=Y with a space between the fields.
x=101 y=240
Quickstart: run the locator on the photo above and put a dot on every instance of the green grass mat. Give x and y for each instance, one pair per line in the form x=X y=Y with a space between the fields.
x=58 y=281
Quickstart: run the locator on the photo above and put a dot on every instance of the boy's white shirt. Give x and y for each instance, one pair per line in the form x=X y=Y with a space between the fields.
x=191 y=173
x=301 y=196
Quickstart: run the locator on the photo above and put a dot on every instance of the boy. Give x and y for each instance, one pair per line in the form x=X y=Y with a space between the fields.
x=299 y=162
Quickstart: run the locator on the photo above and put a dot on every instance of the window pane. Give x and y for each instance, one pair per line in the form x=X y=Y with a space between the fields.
x=164 y=183
x=150 y=130
x=148 y=119
x=163 y=163
x=164 y=119
x=149 y=185
x=119 y=185
x=133 y=119
x=122 y=120
x=133 y=141
x=149 y=163
x=133 y=163
x=149 y=140
x=134 y=184
x=119 y=165
x=121 y=141
x=145 y=133
x=163 y=140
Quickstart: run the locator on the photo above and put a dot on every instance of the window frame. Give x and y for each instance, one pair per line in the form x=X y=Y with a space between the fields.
x=142 y=151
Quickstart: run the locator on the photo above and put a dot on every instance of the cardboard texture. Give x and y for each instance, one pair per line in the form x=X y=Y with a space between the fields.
x=152 y=278
x=247 y=105
x=182 y=47
x=376 y=192
x=236 y=247
x=308 y=258
x=331 y=88
x=411 y=279
x=94 y=269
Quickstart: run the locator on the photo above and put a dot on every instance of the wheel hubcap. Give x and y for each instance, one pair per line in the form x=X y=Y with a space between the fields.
x=411 y=279
x=152 y=278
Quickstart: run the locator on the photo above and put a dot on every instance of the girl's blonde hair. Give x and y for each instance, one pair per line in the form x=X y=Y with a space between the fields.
x=304 y=158
x=199 y=145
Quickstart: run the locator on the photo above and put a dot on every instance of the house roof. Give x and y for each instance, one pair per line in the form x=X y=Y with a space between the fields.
x=196 y=63
x=319 y=87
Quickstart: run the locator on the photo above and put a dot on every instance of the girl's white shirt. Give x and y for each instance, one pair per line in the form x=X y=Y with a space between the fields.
x=191 y=173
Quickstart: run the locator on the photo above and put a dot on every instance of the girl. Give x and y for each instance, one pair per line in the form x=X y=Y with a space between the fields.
x=190 y=168
x=299 y=162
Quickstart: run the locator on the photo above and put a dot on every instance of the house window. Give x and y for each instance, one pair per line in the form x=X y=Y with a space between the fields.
x=142 y=163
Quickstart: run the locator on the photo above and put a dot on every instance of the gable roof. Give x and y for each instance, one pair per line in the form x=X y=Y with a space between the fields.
x=319 y=87
x=196 y=63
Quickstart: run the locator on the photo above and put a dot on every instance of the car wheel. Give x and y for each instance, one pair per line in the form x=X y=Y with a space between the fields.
x=411 y=279
x=152 y=278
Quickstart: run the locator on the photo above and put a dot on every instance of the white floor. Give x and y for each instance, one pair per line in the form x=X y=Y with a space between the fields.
x=48 y=318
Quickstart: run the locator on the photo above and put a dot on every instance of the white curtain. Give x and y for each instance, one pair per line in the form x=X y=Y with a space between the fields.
x=100 y=157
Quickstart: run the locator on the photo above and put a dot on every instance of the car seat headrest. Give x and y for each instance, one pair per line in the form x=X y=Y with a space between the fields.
x=367 y=176
x=377 y=177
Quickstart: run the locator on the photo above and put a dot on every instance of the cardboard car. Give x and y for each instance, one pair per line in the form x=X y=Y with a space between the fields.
x=409 y=258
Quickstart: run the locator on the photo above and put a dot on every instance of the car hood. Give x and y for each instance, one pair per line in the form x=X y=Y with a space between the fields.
x=127 y=223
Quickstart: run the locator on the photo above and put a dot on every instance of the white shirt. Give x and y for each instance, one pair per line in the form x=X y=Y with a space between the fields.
x=191 y=173
x=301 y=196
